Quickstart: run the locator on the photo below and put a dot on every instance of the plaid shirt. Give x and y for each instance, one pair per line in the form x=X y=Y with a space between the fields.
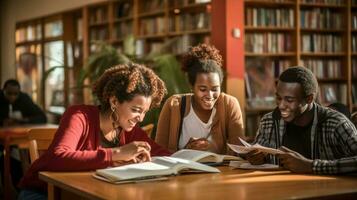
x=333 y=140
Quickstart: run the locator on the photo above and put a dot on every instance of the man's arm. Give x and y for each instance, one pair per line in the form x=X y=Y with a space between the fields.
x=32 y=113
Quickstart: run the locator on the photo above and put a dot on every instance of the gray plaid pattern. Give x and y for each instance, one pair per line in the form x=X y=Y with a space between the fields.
x=334 y=145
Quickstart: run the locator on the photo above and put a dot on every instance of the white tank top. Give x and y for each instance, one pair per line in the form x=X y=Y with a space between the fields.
x=193 y=126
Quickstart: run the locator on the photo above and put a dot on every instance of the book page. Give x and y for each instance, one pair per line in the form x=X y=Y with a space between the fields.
x=198 y=156
x=245 y=149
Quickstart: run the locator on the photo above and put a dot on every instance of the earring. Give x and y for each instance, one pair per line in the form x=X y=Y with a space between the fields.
x=113 y=116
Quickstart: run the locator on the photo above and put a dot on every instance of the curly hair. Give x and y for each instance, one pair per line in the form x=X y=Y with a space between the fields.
x=202 y=58
x=126 y=81
x=303 y=76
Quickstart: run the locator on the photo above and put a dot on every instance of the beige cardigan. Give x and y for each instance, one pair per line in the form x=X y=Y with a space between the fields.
x=227 y=125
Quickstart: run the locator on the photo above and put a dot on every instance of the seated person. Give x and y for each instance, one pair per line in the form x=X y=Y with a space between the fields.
x=17 y=107
x=205 y=119
x=342 y=108
x=315 y=139
x=93 y=137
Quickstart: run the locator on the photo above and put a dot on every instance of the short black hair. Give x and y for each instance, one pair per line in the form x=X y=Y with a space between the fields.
x=303 y=76
x=12 y=82
x=203 y=66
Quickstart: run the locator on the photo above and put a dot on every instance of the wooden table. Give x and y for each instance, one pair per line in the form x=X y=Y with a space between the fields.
x=16 y=135
x=230 y=184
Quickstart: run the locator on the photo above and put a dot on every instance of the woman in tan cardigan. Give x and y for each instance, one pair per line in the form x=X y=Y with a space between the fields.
x=205 y=119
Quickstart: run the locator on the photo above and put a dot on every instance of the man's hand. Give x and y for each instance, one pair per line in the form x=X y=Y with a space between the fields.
x=256 y=157
x=294 y=161
x=134 y=152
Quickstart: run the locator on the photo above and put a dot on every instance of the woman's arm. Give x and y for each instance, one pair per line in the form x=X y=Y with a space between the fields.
x=75 y=145
x=163 y=125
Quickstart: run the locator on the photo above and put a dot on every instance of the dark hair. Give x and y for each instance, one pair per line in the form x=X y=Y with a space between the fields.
x=126 y=81
x=202 y=58
x=342 y=108
x=12 y=82
x=303 y=76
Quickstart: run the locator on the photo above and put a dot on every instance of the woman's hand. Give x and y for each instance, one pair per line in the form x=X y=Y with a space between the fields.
x=199 y=144
x=294 y=161
x=134 y=152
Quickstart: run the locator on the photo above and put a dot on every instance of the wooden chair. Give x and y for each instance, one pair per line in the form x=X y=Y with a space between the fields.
x=148 y=129
x=39 y=141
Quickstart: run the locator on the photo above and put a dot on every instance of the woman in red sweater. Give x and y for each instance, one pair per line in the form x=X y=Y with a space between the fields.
x=92 y=137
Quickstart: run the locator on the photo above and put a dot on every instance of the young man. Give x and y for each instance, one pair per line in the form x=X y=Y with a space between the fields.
x=17 y=107
x=315 y=139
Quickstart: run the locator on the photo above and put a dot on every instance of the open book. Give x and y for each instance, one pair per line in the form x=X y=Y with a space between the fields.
x=203 y=156
x=248 y=147
x=158 y=167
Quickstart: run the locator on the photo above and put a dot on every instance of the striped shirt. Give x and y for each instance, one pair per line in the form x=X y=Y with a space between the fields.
x=333 y=140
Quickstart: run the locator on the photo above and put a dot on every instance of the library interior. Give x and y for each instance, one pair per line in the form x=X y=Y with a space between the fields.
x=223 y=64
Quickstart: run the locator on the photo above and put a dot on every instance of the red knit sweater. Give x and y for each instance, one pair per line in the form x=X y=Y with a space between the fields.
x=76 y=146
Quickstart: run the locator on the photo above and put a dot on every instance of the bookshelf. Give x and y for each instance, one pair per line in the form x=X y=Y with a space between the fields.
x=172 y=24
x=312 y=33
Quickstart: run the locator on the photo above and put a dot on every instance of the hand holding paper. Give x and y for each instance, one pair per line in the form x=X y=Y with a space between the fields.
x=248 y=147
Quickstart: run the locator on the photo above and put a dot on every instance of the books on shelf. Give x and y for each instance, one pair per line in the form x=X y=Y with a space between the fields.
x=319 y=18
x=203 y=156
x=269 y=17
x=158 y=167
x=321 y=43
x=333 y=92
x=324 y=68
x=268 y=42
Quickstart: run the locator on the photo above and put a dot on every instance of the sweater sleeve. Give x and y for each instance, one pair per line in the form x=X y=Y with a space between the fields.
x=163 y=125
x=137 y=134
x=75 y=147
x=345 y=142
x=235 y=121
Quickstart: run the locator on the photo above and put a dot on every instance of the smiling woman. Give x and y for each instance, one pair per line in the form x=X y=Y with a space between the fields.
x=205 y=119
x=93 y=137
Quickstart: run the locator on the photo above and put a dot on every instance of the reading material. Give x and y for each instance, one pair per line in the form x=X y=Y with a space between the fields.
x=158 y=167
x=203 y=156
x=248 y=147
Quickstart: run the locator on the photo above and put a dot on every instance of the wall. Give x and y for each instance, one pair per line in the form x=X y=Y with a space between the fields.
x=12 y=11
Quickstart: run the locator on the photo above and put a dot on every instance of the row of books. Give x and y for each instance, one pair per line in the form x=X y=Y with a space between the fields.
x=260 y=78
x=98 y=15
x=181 y=3
x=28 y=33
x=330 y=93
x=180 y=44
x=123 y=29
x=268 y=42
x=354 y=22
x=324 y=68
x=190 y=21
x=99 y=34
x=354 y=68
x=321 y=18
x=124 y=9
x=321 y=43
x=334 y=2
x=151 y=5
x=152 y=26
x=354 y=43
x=354 y=93
x=269 y=17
